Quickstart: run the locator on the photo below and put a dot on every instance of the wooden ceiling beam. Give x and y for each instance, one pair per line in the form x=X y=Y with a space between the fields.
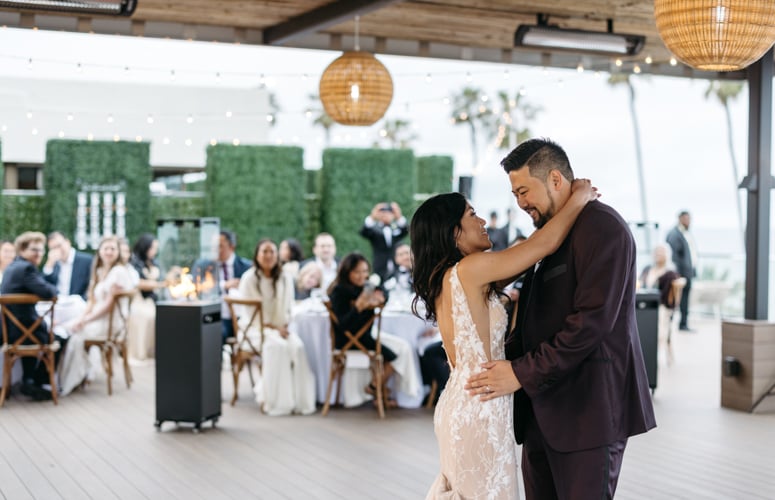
x=321 y=18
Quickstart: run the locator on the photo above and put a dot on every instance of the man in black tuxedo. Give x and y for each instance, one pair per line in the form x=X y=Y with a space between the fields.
x=684 y=257
x=384 y=227
x=498 y=235
x=575 y=359
x=66 y=268
x=23 y=276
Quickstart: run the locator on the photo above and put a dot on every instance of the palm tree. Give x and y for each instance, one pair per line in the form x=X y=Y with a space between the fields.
x=624 y=79
x=321 y=117
x=510 y=126
x=469 y=108
x=725 y=92
x=397 y=133
x=274 y=109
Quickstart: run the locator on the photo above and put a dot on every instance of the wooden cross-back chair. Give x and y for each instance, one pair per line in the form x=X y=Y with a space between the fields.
x=244 y=350
x=339 y=359
x=116 y=340
x=28 y=345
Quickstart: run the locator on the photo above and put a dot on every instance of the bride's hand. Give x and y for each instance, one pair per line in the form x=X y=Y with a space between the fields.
x=496 y=380
x=584 y=189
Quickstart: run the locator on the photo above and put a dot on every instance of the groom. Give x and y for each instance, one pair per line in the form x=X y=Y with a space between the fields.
x=575 y=351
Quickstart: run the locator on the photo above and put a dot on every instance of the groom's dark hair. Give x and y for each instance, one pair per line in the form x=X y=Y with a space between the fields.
x=541 y=156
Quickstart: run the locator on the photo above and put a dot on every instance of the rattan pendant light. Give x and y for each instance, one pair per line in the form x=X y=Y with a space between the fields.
x=716 y=35
x=356 y=89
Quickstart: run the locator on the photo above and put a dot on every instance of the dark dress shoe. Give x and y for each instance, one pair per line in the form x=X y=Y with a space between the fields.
x=687 y=329
x=36 y=392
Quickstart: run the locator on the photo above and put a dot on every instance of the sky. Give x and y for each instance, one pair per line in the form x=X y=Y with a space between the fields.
x=683 y=135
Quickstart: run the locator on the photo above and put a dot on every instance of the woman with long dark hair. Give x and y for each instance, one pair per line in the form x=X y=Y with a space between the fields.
x=353 y=303
x=142 y=321
x=291 y=256
x=454 y=278
x=287 y=385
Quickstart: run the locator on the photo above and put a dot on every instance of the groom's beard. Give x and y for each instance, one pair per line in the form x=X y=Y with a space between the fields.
x=544 y=217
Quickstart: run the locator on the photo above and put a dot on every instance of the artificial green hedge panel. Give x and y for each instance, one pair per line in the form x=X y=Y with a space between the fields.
x=73 y=164
x=434 y=174
x=354 y=180
x=257 y=191
x=20 y=213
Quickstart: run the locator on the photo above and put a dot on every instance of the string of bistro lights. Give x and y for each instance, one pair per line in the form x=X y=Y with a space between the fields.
x=261 y=80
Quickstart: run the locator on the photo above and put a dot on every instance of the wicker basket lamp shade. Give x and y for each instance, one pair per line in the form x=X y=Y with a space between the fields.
x=716 y=35
x=356 y=89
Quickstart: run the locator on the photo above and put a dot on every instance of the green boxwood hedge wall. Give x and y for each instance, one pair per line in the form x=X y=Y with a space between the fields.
x=257 y=192
x=70 y=164
x=434 y=174
x=20 y=213
x=353 y=181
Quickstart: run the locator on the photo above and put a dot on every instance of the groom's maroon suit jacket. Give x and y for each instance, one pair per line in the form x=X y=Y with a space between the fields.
x=575 y=348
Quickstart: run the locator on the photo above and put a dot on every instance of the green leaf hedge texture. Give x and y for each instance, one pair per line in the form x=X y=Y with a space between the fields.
x=257 y=192
x=72 y=164
x=353 y=181
x=434 y=174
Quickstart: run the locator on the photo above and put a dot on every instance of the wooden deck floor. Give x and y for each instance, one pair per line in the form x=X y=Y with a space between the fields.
x=95 y=446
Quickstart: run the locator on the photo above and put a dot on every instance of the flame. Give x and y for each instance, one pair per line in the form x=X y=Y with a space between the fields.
x=186 y=288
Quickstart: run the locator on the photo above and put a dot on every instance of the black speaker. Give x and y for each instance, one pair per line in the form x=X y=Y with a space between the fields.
x=464 y=185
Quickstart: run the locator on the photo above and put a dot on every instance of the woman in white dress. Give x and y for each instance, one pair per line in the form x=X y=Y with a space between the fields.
x=108 y=276
x=455 y=280
x=287 y=384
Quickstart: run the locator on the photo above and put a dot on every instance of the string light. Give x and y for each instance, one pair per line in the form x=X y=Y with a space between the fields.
x=673 y=61
x=235 y=142
x=61 y=134
x=165 y=141
x=89 y=136
x=228 y=114
x=110 y=118
x=116 y=138
x=649 y=60
x=138 y=138
x=34 y=131
x=149 y=119
x=70 y=117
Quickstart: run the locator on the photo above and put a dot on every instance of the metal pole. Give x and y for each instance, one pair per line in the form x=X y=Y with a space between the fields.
x=758 y=183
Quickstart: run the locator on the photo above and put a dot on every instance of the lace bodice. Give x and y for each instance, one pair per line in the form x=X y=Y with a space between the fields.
x=476 y=439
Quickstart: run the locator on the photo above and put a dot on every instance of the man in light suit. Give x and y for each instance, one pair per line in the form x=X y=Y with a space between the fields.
x=575 y=359
x=66 y=268
x=384 y=227
x=684 y=258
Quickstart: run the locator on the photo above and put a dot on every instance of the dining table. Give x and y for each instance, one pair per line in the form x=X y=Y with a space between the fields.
x=310 y=321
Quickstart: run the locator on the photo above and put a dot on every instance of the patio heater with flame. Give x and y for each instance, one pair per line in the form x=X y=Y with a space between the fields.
x=188 y=326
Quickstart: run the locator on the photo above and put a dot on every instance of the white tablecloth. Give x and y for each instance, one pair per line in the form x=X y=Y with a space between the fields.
x=311 y=323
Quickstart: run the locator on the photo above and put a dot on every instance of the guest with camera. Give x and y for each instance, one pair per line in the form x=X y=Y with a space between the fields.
x=384 y=227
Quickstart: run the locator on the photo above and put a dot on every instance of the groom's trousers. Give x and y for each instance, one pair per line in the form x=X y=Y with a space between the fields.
x=579 y=475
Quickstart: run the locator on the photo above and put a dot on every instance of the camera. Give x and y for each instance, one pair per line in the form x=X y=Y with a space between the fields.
x=386 y=207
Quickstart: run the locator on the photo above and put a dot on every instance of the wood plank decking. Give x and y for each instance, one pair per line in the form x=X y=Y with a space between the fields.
x=95 y=446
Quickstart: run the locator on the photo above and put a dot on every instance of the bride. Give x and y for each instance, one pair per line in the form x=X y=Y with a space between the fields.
x=455 y=280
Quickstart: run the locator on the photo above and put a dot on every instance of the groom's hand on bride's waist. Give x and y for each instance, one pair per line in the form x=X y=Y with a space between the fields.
x=495 y=380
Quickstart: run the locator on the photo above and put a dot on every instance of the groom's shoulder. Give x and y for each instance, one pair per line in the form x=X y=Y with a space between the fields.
x=597 y=212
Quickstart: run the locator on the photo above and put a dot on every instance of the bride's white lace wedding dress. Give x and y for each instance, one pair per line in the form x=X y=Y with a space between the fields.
x=478 y=453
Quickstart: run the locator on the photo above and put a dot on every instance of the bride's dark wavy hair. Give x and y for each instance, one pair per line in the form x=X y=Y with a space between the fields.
x=434 y=227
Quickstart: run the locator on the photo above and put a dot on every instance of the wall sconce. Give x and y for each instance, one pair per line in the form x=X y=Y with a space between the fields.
x=732 y=366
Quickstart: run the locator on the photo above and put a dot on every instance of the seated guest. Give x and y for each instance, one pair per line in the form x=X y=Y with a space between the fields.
x=353 y=303
x=662 y=276
x=288 y=385
x=126 y=255
x=142 y=321
x=291 y=256
x=7 y=254
x=310 y=278
x=67 y=268
x=433 y=361
x=23 y=276
x=108 y=276
x=401 y=277
x=325 y=257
